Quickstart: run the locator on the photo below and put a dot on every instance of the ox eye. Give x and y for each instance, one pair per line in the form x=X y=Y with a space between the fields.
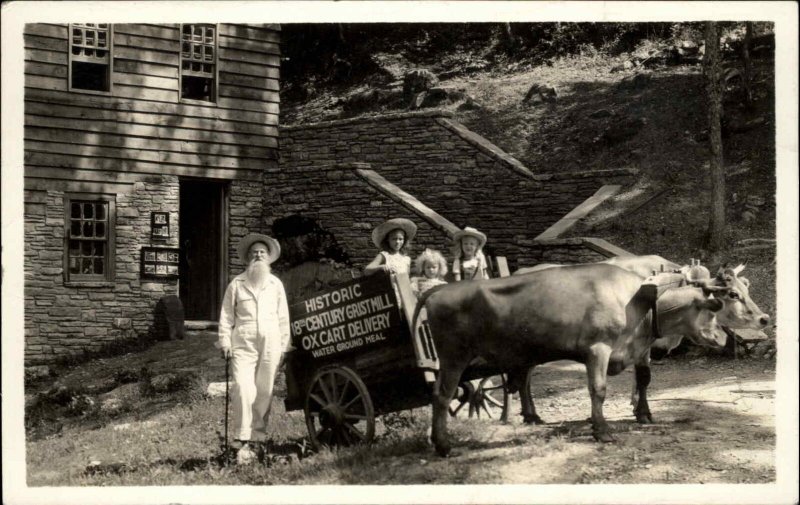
x=734 y=295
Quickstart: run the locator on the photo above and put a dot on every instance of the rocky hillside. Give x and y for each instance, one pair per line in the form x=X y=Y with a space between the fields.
x=637 y=103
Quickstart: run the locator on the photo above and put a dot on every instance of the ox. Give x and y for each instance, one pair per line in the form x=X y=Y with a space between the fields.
x=739 y=312
x=594 y=314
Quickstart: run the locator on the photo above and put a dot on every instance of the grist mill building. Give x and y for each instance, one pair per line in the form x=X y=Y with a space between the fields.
x=144 y=149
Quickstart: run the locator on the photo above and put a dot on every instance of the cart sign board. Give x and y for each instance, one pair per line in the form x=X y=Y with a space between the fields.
x=353 y=316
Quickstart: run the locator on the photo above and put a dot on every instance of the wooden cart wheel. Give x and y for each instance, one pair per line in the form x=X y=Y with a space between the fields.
x=338 y=409
x=481 y=397
x=492 y=392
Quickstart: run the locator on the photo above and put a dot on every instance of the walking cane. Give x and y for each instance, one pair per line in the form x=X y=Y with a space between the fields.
x=227 y=400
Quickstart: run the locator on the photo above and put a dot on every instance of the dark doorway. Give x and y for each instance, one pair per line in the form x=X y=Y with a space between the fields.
x=203 y=246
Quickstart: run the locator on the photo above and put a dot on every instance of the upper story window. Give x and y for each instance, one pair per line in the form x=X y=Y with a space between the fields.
x=199 y=62
x=90 y=57
x=89 y=221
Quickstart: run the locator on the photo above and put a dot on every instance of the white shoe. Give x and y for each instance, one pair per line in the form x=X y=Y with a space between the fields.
x=245 y=455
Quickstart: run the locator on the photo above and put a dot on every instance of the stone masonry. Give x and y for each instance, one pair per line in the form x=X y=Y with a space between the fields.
x=452 y=170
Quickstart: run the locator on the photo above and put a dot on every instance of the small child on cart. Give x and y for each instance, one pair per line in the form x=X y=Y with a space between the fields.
x=433 y=267
x=470 y=262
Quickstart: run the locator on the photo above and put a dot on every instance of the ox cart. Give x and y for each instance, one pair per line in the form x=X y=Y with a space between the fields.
x=357 y=357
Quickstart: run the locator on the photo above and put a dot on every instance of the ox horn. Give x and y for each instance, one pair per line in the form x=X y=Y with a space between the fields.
x=739 y=268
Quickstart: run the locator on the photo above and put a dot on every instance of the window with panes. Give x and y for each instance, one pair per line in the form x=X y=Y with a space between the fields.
x=199 y=62
x=90 y=57
x=89 y=238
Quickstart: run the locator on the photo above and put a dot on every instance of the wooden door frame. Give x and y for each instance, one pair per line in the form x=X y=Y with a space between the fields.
x=223 y=186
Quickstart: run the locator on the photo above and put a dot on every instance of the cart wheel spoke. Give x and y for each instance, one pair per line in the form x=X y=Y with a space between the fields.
x=494 y=401
x=325 y=391
x=334 y=389
x=486 y=409
x=355 y=431
x=338 y=408
x=317 y=399
x=344 y=391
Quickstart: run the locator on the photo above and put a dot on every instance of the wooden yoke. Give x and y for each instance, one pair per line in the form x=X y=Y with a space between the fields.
x=653 y=287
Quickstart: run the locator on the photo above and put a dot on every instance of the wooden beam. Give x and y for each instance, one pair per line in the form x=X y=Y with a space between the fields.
x=155 y=31
x=146 y=81
x=230 y=54
x=142 y=68
x=47 y=30
x=256 y=46
x=249 y=93
x=249 y=69
x=578 y=213
x=267 y=33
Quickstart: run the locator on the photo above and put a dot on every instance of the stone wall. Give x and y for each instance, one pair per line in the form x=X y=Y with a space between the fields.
x=64 y=318
x=343 y=204
x=246 y=209
x=448 y=168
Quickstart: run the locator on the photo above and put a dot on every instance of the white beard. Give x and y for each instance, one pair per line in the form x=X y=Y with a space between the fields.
x=257 y=273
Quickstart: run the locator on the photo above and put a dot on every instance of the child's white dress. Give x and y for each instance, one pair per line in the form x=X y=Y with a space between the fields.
x=401 y=264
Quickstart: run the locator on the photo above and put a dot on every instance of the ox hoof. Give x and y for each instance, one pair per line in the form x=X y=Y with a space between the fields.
x=644 y=418
x=534 y=419
x=604 y=437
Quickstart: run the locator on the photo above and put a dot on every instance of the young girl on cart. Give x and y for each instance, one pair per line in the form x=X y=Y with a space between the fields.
x=433 y=267
x=470 y=262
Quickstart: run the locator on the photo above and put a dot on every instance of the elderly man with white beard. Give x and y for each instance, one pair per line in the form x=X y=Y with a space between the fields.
x=254 y=333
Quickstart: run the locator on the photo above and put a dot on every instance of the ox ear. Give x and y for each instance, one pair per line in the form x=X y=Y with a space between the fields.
x=739 y=269
x=745 y=281
x=711 y=303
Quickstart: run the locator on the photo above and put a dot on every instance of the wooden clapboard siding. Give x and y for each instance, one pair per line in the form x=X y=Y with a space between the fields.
x=141 y=128
x=46 y=69
x=145 y=81
x=141 y=68
x=170 y=45
x=145 y=155
x=168 y=32
x=184 y=110
x=45 y=56
x=37 y=184
x=128 y=142
x=268 y=33
x=230 y=54
x=259 y=46
x=211 y=124
x=58 y=45
x=102 y=165
x=47 y=30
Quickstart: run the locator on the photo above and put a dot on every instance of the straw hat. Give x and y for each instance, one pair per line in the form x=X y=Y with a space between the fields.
x=380 y=231
x=469 y=231
x=244 y=245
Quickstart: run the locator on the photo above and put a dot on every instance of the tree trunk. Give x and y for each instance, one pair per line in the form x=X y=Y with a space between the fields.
x=748 y=73
x=716 y=225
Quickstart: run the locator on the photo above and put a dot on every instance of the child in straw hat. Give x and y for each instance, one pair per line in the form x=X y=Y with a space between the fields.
x=470 y=262
x=393 y=238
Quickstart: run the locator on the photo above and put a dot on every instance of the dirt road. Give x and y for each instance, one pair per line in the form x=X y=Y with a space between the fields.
x=714 y=422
